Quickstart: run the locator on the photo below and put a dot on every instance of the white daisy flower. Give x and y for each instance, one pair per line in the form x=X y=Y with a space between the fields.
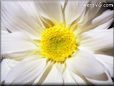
x=56 y=42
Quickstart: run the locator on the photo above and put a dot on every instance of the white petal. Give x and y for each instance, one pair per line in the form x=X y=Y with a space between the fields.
x=6 y=66
x=107 y=61
x=20 y=15
x=43 y=75
x=78 y=79
x=15 y=42
x=92 y=27
x=93 y=9
x=18 y=56
x=26 y=71
x=54 y=77
x=71 y=78
x=85 y=63
x=97 y=39
x=50 y=9
x=104 y=17
x=74 y=9
x=104 y=26
x=68 y=79
x=107 y=81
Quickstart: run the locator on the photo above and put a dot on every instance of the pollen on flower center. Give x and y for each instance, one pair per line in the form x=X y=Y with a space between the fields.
x=58 y=43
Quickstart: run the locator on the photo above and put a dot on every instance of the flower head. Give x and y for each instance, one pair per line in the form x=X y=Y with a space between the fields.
x=56 y=42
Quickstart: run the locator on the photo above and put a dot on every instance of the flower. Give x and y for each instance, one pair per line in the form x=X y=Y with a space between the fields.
x=53 y=42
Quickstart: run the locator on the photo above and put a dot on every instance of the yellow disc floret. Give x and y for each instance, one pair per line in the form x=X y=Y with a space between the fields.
x=58 y=43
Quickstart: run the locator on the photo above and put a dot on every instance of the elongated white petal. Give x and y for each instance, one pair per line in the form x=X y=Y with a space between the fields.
x=93 y=27
x=54 y=77
x=93 y=9
x=20 y=15
x=107 y=61
x=15 y=42
x=50 y=9
x=77 y=8
x=97 y=39
x=85 y=63
x=68 y=79
x=26 y=71
x=104 y=17
x=78 y=79
x=18 y=56
x=72 y=78
x=104 y=26
x=6 y=66
x=40 y=79
x=107 y=80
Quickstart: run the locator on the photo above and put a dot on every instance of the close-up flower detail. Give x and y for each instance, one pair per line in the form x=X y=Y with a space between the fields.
x=56 y=42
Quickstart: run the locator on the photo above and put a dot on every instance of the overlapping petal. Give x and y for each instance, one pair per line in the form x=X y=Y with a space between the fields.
x=85 y=65
x=98 y=39
x=6 y=66
x=28 y=70
x=50 y=9
x=15 y=42
x=107 y=61
x=20 y=16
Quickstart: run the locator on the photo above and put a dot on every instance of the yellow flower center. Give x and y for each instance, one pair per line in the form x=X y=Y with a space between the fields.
x=58 y=43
